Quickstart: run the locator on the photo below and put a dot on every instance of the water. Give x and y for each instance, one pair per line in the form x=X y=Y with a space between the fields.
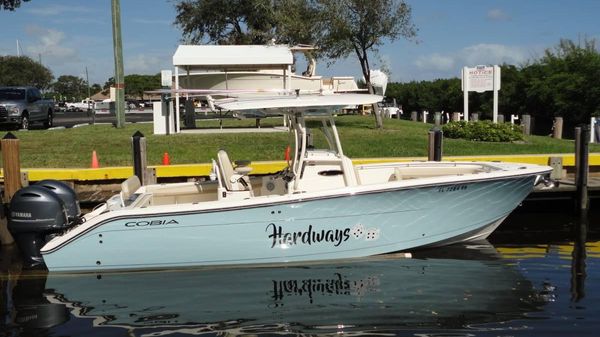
x=540 y=282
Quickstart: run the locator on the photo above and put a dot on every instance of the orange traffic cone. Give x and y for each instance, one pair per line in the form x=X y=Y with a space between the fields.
x=95 y=163
x=166 y=160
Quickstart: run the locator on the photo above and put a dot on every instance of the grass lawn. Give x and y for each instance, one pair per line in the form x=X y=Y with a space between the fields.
x=73 y=147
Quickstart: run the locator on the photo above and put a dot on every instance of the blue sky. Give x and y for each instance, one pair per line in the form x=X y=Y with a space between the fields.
x=70 y=35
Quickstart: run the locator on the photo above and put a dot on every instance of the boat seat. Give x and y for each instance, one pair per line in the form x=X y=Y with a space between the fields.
x=234 y=181
x=128 y=189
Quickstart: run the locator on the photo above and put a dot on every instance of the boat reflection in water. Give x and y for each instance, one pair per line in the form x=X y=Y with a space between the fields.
x=462 y=287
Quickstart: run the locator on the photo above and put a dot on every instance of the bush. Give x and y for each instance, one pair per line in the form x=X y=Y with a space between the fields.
x=484 y=131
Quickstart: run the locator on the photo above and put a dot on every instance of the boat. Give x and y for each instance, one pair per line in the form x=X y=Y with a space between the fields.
x=320 y=207
x=235 y=67
x=461 y=286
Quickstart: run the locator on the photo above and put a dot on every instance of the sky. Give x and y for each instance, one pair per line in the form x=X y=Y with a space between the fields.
x=69 y=36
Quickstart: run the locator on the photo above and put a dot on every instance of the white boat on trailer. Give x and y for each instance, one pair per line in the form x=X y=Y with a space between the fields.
x=320 y=207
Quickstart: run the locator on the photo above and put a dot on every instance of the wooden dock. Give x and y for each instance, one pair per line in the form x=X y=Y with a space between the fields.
x=565 y=189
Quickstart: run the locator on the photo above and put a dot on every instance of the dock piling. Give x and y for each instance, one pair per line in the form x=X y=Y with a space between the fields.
x=582 y=136
x=526 y=124
x=437 y=118
x=11 y=165
x=413 y=116
x=138 y=142
x=557 y=128
x=435 y=145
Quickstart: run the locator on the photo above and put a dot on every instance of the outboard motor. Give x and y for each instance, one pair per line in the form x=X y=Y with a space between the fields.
x=66 y=194
x=37 y=214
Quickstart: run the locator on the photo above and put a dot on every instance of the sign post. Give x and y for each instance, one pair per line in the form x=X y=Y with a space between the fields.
x=481 y=79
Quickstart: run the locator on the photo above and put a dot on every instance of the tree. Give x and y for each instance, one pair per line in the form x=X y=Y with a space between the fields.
x=360 y=27
x=96 y=88
x=70 y=87
x=22 y=70
x=226 y=21
x=11 y=4
x=135 y=85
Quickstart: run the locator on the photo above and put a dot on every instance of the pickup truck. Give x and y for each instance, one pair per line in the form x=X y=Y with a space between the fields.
x=84 y=105
x=21 y=106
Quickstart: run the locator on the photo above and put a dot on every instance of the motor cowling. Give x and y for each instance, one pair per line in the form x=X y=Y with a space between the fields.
x=36 y=214
x=66 y=194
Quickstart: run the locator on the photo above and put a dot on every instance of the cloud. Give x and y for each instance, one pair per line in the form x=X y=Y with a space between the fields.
x=50 y=44
x=143 y=64
x=471 y=56
x=52 y=10
x=436 y=62
x=492 y=54
x=497 y=14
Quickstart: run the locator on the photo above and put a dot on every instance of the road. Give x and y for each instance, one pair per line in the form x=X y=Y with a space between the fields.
x=68 y=119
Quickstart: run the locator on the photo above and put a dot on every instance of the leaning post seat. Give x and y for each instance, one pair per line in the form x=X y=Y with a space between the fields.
x=234 y=179
x=128 y=189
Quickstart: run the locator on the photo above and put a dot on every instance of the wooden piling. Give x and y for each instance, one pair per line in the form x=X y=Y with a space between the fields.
x=138 y=143
x=557 y=128
x=435 y=145
x=11 y=164
x=582 y=135
x=437 y=119
x=413 y=116
x=526 y=124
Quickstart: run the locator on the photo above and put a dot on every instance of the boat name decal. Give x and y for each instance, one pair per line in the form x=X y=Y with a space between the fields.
x=144 y=223
x=452 y=188
x=313 y=288
x=308 y=237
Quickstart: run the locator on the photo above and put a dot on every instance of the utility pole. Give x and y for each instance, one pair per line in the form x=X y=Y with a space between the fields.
x=118 y=50
x=89 y=109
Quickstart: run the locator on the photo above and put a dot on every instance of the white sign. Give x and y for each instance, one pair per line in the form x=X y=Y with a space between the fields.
x=166 y=78
x=480 y=78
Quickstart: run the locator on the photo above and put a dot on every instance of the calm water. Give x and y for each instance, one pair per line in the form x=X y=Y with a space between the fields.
x=541 y=282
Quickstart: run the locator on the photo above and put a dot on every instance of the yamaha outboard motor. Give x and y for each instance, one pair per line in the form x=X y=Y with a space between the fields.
x=37 y=213
x=66 y=194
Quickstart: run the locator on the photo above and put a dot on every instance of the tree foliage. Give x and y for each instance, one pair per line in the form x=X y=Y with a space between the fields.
x=247 y=22
x=11 y=5
x=135 y=85
x=362 y=26
x=563 y=82
x=226 y=22
x=72 y=88
x=22 y=70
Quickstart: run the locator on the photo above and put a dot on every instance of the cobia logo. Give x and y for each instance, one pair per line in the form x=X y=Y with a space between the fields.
x=144 y=223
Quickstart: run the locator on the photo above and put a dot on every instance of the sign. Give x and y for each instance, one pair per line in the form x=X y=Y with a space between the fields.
x=481 y=78
x=166 y=78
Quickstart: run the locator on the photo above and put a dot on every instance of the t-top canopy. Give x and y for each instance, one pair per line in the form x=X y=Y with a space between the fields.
x=300 y=102
x=212 y=57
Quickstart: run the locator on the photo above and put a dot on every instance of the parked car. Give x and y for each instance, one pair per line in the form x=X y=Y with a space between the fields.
x=20 y=106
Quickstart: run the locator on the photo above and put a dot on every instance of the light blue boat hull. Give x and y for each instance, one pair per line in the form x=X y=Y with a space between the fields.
x=301 y=230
